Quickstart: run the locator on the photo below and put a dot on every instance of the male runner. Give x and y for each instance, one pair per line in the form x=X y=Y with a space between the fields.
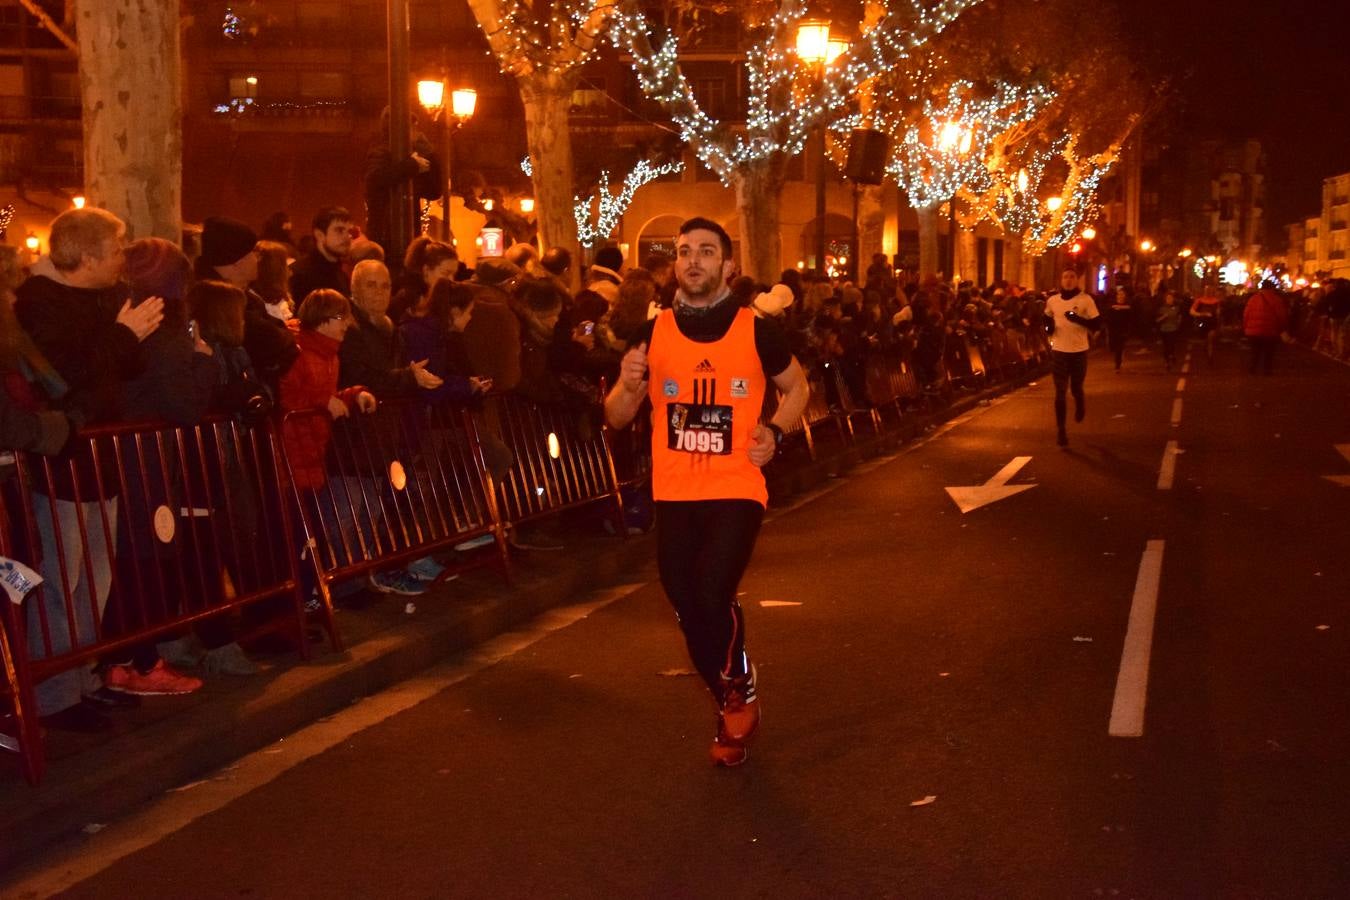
x=1070 y=316
x=706 y=364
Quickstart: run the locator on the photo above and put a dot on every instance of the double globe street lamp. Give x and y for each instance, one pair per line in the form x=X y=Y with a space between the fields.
x=431 y=95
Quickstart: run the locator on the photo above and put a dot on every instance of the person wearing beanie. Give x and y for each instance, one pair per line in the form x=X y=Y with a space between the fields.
x=229 y=255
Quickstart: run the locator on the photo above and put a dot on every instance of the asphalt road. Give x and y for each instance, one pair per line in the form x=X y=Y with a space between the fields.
x=972 y=658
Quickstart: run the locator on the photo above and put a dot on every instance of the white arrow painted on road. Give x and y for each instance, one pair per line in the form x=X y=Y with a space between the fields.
x=1342 y=480
x=993 y=490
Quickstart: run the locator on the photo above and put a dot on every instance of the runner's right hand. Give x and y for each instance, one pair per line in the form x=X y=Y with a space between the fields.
x=633 y=370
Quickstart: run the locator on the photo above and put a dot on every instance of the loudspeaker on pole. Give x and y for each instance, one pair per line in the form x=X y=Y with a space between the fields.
x=867 y=149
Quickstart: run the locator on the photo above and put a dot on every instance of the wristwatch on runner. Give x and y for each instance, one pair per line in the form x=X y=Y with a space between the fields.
x=777 y=435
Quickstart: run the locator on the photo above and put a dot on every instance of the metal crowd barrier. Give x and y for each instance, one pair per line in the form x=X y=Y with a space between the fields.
x=401 y=483
x=559 y=457
x=139 y=532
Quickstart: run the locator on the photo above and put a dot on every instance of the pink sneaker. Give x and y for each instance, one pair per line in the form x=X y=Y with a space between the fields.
x=158 y=681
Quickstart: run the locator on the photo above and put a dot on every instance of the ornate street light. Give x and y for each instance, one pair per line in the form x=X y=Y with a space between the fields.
x=815 y=48
x=463 y=101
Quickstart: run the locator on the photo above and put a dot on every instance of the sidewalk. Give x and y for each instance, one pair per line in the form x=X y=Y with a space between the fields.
x=170 y=741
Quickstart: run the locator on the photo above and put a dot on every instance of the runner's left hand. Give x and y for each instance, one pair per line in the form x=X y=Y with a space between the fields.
x=763 y=446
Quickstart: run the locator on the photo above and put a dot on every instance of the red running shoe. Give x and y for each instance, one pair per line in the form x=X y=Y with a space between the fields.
x=740 y=707
x=726 y=751
x=158 y=681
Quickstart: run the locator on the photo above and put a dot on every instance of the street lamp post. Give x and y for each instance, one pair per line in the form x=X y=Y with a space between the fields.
x=400 y=194
x=817 y=48
x=462 y=102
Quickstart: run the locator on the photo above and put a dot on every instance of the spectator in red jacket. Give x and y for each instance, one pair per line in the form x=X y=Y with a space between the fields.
x=312 y=383
x=1263 y=321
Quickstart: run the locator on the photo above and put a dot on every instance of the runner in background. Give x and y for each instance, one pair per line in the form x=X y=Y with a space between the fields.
x=1070 y=317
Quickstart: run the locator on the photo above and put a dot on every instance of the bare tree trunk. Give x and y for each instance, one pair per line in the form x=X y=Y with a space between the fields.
x=967 y=255
x=1012 y=258
x=928 y=240
x=758 y=196
x=546 y=96
x=1028 y=275
x=871 y=225
x=130 y=84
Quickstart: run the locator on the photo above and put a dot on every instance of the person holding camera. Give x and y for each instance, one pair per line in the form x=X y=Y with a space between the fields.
x=706 y=366
x=1069 y=319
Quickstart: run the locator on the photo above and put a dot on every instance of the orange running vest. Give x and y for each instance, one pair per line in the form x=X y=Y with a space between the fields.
x=706 y=401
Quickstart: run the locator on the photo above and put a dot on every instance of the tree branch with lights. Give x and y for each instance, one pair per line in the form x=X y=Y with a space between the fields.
x=608 y=206
x=785 y=103
x=942 y=137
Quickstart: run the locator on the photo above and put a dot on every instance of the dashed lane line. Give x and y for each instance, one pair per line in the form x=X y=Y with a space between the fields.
x=1127 y=708
x=1181 y=385
x=1167 y=472
x=1176 y=412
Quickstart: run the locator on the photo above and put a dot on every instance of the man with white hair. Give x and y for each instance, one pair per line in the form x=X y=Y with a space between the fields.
x=372 y=356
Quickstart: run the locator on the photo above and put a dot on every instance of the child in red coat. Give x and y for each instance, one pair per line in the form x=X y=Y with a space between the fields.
x=311 y=383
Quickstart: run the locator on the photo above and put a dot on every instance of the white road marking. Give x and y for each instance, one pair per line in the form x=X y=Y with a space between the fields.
x=1176 y=412
x=995 y=489
x=1167 y=473
x=1342 y=480
x=1181 y=385
x=770 y=604
x=1127 y=709
x=82 y=859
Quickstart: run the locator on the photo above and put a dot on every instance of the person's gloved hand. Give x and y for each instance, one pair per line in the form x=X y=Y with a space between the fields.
x=1048 y=323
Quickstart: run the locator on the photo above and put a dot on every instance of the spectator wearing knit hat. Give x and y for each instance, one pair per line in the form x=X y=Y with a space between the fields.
x=229 y=255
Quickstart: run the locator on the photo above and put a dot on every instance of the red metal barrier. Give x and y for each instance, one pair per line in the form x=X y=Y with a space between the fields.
x=139 y=531
x=401 y=483
x=560 y=459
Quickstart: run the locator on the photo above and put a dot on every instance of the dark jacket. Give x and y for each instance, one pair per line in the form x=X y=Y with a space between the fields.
x=425 y=338
x=383 y=173
x=493 y=338
x=314 y=271
x=374 y=357
x=76 y=329
x=270 y=344
x=176 y=383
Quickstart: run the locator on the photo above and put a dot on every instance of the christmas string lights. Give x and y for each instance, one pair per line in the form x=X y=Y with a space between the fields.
x=527 y=167
x=783 y=106
x=526 y=44
x=946 y=149
x=6 y=217
x=612 y=206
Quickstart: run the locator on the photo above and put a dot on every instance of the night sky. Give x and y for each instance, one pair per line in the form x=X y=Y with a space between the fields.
x=1276 y=71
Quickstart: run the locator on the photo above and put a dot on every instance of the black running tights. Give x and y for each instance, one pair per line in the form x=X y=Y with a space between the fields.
x=703 y=547
x=1069 y=370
